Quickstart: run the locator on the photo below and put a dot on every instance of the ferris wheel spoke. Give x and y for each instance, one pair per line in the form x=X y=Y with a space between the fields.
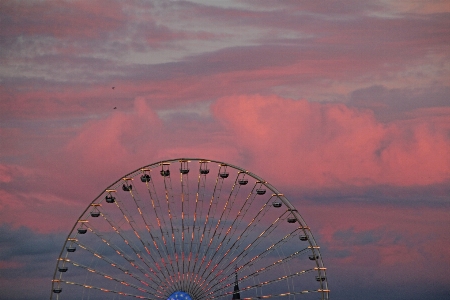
x=260 y=271
x=209 y=214
x=266 y=283
x=169 y=198
x=129 y=219
x=269 y=250
x=227 y=208
x=161 y=222
x=249 y=228
x=129 y=243
x=194 y=226
x=256 y=258
x=149 y=226
x=283 y=294
x=159 y=213
x=218 y=230
x=108 y=290
x=135 y=264
x=252 y=244
x=230 y=233
x=260 y=236
x=242 y=213
x=221 y=175
x=184 y=182
x=119 y=266
x=243 y=252
x=113 y=278
x=197 y=216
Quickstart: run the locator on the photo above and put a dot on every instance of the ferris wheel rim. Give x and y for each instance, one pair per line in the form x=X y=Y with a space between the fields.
x=275 y=193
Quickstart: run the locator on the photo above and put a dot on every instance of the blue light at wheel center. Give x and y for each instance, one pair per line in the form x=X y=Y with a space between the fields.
x=179 y=296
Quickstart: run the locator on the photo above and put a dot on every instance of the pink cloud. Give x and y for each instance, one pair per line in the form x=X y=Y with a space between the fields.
x=366 y=237
x=11 y=172
x=42 y=212
x=29 y=197
x=4 y=174
x=140 y=137
x=124 y=141
x=116 y=137
x=330 y=144
x=307 y=145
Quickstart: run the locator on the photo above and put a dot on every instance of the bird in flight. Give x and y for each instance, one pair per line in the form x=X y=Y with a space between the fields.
x=113 y=87
x=115 y=107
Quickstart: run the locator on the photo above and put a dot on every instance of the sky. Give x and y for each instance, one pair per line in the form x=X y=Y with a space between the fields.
x=342 y=105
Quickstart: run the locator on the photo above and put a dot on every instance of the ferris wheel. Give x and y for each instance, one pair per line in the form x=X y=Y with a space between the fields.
x=190 y=229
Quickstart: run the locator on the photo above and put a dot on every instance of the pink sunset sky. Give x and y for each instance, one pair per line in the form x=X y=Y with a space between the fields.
x=342 y=105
